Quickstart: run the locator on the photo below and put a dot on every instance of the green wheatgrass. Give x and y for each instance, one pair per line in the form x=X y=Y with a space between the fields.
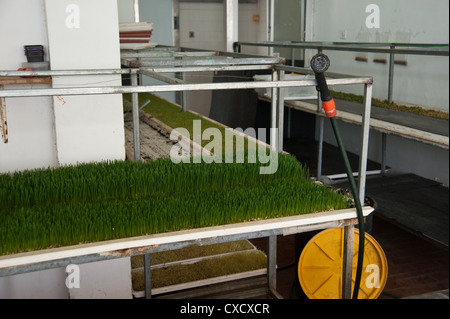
x=111 y=200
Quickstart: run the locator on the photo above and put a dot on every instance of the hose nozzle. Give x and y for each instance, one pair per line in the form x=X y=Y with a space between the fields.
x=320 y=63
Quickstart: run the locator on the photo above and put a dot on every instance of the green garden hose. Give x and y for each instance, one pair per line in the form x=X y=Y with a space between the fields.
x=320 y=63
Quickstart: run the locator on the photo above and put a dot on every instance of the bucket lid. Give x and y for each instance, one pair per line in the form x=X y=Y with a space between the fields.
x=321 y=265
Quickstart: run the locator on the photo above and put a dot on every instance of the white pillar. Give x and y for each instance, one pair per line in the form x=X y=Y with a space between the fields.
x=84 y=35
x=231 y=24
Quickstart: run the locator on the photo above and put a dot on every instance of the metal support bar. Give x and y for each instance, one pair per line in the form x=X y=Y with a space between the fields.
x=176 y=87
x=406 y=48
x=320 y=148
x=391 y=77
x=347 y=258
x=293 y=56
x=161 y=77
x=365 y=133
x=309 y=71
x=157 y=53
x=203 y=62
x=320 y=138
x=211 y=68
x=148 y=276
x=272 y=263
x=281 y=91
x=273 y=115
x=67 y=72
x=383 y=152
x=184 y=94
x=135 y=110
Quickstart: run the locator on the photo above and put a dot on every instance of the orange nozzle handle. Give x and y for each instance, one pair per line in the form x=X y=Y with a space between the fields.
x=330 y=108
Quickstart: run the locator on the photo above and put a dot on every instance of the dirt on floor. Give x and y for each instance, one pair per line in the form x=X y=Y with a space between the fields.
x=154 y=138
x=153 y=144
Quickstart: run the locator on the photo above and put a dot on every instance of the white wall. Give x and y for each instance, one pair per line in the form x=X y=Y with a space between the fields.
x=289 y=25
x=207 y=22
x=32 y=140
x=160 y=13
x=424 y=81
x=126 y=10
x=250 y=30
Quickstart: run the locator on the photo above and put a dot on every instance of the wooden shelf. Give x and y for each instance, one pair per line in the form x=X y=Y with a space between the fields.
x=8 y=80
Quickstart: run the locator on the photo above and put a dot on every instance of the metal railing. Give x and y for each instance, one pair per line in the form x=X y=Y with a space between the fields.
x=392 y=49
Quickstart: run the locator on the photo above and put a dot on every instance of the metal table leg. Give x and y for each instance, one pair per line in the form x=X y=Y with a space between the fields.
x=272 y=263
x=147 y=277
x=347 y=262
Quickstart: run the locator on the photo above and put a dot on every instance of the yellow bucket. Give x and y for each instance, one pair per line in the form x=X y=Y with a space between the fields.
x=321 y=264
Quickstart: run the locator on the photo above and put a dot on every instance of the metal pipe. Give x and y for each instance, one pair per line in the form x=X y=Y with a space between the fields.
x=347 y=266
x=161 y=77
x=391 y=78
x=203 y=62
x=293 y=56
x=272 y=262
x=175 y=87
x=168 y=54
x=383 y=152
x=436 y=50
x=148 y=276
x=135 y=110
x=320 y=148
x=210 y=68
x=320 y=139
x=273 y=115
x=281 y=91
x=365 y=133
x=67 y=72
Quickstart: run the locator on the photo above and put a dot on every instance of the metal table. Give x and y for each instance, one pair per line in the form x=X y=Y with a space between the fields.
x=145 y=245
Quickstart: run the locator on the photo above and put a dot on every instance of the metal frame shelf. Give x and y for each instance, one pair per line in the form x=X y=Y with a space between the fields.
x=108 y=250
x=155 y=63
